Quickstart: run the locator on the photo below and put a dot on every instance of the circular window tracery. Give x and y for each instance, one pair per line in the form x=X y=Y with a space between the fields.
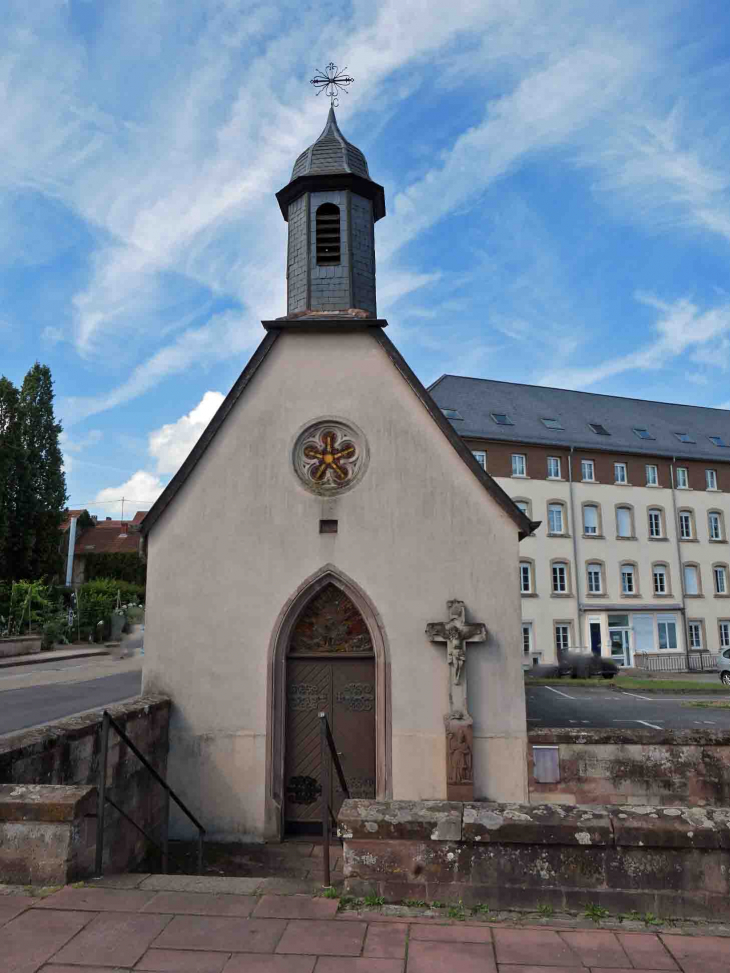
x=330 y=456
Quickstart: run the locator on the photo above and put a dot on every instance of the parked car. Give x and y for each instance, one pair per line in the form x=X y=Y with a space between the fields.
x=723 y=664
x=580 y=665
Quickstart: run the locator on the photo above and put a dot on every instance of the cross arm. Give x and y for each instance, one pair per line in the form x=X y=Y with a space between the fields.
x=436 y=632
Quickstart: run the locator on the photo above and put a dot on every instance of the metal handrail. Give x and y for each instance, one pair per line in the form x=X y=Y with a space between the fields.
x=107 y=723
x=327 y=751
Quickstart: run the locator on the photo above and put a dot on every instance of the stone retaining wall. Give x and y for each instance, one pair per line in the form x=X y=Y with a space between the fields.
x=673 y=862
x=665 y=767
x=36 y=845
x=20 y=645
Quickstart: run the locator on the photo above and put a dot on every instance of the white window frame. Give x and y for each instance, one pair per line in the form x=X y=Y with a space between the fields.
x=682 y=478
x=723 y=629
x=666 y=621
x=519 y=464
x=593 y=569
x=560 y=577
x=553 y=468
x=587 y=466
x=655 y=522
x=685 y=525
x=480 y=455
x=719 y=577
x=627 y=510
x=652 y=475
x=711 y=479
x=556 y=510
x=695 y=635
x=588 y=529
x=628 y=571
x=659 y=571
x=687 y=587
x=714 y=525
x=561 y=634
x=525 y=572
x=526 y=643
x=524 y=506
x=620 y=473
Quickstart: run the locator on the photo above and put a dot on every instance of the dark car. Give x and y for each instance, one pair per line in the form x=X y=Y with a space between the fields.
x=577 y=665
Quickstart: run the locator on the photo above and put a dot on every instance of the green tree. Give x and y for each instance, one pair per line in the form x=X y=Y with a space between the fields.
x=42 y=487
x=12 y=464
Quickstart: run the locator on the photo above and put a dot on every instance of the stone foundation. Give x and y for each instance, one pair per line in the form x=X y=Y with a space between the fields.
x=48 y=815
x=673 y=862
x=20 y=645
x=607 y=766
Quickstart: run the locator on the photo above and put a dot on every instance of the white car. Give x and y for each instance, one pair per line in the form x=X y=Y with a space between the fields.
x=723 y=664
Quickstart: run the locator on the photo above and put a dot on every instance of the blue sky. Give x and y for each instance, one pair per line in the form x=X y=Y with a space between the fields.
x=557 y=180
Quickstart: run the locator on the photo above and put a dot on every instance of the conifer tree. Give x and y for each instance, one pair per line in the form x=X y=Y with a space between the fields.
x=11 y=462
x=42 y=487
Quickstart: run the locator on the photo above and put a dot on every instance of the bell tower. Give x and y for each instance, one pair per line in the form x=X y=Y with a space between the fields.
x=331 y=205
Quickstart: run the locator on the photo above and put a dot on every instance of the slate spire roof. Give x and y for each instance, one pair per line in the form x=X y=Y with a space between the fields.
x=331 y=153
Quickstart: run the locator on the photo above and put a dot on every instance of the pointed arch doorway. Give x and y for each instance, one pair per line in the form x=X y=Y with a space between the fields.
x=330 y=668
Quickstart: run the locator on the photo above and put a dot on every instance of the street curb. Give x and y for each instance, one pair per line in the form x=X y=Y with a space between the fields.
x=37 y=658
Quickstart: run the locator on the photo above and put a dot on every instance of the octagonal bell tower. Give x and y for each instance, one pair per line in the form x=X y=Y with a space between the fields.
x=331 y=205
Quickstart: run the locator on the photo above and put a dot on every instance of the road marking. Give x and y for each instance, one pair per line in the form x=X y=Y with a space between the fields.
x=558 y=692
x=635 y=695
x=644 y=722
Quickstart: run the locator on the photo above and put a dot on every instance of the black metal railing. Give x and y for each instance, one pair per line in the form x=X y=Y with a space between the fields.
x=104 y=799
x=328 y=753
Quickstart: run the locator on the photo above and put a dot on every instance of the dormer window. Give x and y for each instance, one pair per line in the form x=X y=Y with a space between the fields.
x=328 y=235
x=642 y=432
x=452 y=414
x=502 y=419
x=684 y=437
x=599 y=429
x=552 y=423
x=717 y=440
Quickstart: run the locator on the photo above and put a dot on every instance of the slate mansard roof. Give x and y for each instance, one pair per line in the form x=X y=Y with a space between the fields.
x=478 y=400
x=331 y=153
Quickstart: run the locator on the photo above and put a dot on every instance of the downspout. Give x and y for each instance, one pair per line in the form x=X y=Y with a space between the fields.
x=71 y=547
x=579 y=634
x=685 y=625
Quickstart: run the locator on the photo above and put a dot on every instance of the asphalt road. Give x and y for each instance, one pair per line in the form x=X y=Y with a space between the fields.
x=29 y=706
x=583 y=707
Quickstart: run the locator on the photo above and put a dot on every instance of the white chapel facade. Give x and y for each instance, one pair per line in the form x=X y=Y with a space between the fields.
x=331 y=544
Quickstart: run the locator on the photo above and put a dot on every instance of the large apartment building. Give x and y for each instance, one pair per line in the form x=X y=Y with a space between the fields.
x=632 y=552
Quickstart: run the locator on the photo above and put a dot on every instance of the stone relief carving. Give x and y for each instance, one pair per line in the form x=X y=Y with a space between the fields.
x=456 y=632
x=330 y=456
x=330 y=624
x=357 y=696
x=459 y=764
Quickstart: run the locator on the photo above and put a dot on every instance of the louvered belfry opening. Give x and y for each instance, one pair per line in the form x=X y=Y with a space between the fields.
x=328 y=235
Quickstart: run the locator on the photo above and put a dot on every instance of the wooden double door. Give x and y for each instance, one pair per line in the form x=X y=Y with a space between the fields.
x=343 y=687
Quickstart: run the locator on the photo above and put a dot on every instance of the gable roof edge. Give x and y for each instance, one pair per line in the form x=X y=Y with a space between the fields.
x=195 y=454
x=524 y=524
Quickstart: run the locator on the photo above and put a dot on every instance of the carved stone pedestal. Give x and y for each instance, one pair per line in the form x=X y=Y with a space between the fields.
x=459 y=762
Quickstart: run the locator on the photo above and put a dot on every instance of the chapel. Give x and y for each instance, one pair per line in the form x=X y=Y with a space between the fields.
x=330 y=545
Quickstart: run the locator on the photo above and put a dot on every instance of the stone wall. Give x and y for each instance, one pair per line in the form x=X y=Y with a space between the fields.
x=63 y=757
x=605 y=766
x=673 y=862
x=20 y=645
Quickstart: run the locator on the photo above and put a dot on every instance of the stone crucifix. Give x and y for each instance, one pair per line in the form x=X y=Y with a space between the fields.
x=456 y=632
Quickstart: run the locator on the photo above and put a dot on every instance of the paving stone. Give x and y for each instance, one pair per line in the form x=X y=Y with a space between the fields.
x=289 y=886
x=607 y=969
x=699 y=954
x=358 y=964
x=597 y=948
x=182 y=961
x=295 y=907
x=647 y=950
x=386 y=940
x=451 y=934
x=201 y=904
x=249 y=963
x=450 y=958
x=111 y=939
x=33 y=937
x=124 y=880
x=12 y=905
x=533 y=947
x=54 y=968
x=313 y=937
x=96 y=900
x=223 y=933
x=202 y=883
x=547 y=969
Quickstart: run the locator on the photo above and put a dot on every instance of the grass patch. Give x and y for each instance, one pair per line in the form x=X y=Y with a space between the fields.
x=630 y=682
x=706 y=704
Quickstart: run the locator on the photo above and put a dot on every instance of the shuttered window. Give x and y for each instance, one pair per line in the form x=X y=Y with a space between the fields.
x=328 y=234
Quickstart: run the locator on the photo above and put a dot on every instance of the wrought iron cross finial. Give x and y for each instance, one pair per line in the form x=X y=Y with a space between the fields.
x=332 y=81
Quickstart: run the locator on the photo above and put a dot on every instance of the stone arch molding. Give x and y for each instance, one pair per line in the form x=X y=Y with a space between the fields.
x=276 y=688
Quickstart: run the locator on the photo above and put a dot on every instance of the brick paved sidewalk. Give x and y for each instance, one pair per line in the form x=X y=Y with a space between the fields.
x=116 y=930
